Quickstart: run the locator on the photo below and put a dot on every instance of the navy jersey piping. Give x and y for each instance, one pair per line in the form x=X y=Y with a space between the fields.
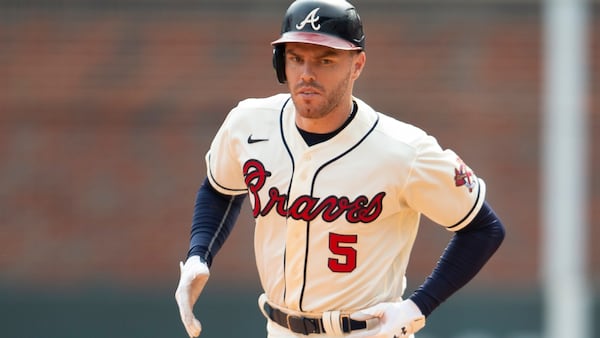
x=470 y=211
x=218 y=184
x=287 y=148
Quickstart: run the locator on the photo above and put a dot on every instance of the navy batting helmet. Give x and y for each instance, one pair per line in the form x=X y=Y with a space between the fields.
x=331 y=23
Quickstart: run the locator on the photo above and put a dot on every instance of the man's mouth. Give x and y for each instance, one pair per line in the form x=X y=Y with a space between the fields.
x=308 y=92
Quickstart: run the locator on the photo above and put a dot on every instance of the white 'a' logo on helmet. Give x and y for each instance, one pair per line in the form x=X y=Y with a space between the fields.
x=311 y=18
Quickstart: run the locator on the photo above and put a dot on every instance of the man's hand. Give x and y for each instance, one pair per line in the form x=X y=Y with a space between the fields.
x=396 y=320
x=194 y=274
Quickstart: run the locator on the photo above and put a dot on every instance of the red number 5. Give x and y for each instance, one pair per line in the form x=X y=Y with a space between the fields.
x=336 y=245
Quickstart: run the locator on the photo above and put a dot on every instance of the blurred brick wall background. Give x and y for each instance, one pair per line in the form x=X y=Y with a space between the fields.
x=107 y=109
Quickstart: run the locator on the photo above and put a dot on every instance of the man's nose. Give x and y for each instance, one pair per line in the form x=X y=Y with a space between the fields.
x=308 y=72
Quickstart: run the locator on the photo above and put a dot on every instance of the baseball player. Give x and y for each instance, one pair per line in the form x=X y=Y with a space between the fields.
x=336 y=189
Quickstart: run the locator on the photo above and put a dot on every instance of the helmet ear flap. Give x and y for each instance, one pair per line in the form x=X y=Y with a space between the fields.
x=279 y=62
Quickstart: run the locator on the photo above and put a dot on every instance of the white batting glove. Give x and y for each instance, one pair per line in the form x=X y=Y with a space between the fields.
x=194 y=274
x=400 y=319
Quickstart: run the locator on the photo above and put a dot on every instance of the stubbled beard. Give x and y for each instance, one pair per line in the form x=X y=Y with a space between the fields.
x=328 y=102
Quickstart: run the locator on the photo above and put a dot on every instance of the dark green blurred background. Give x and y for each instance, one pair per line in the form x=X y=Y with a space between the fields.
x=233 y=313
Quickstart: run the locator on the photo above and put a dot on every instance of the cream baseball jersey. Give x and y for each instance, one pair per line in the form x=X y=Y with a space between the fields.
x=336 y=221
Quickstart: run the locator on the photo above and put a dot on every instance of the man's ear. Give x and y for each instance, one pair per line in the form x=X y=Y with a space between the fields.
x=359 y=64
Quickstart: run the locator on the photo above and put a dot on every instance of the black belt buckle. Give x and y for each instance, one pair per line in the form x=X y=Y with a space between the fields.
x=346 y=327
x=303 y=325
x=296 y=324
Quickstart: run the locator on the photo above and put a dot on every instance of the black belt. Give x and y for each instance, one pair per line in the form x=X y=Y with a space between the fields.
x=305 y=325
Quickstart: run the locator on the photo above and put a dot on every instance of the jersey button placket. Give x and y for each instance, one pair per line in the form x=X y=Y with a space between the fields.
x=296 y=240
x=305 y=166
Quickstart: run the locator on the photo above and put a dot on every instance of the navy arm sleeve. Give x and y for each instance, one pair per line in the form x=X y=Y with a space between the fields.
x=467 y=252
x=215 y=215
